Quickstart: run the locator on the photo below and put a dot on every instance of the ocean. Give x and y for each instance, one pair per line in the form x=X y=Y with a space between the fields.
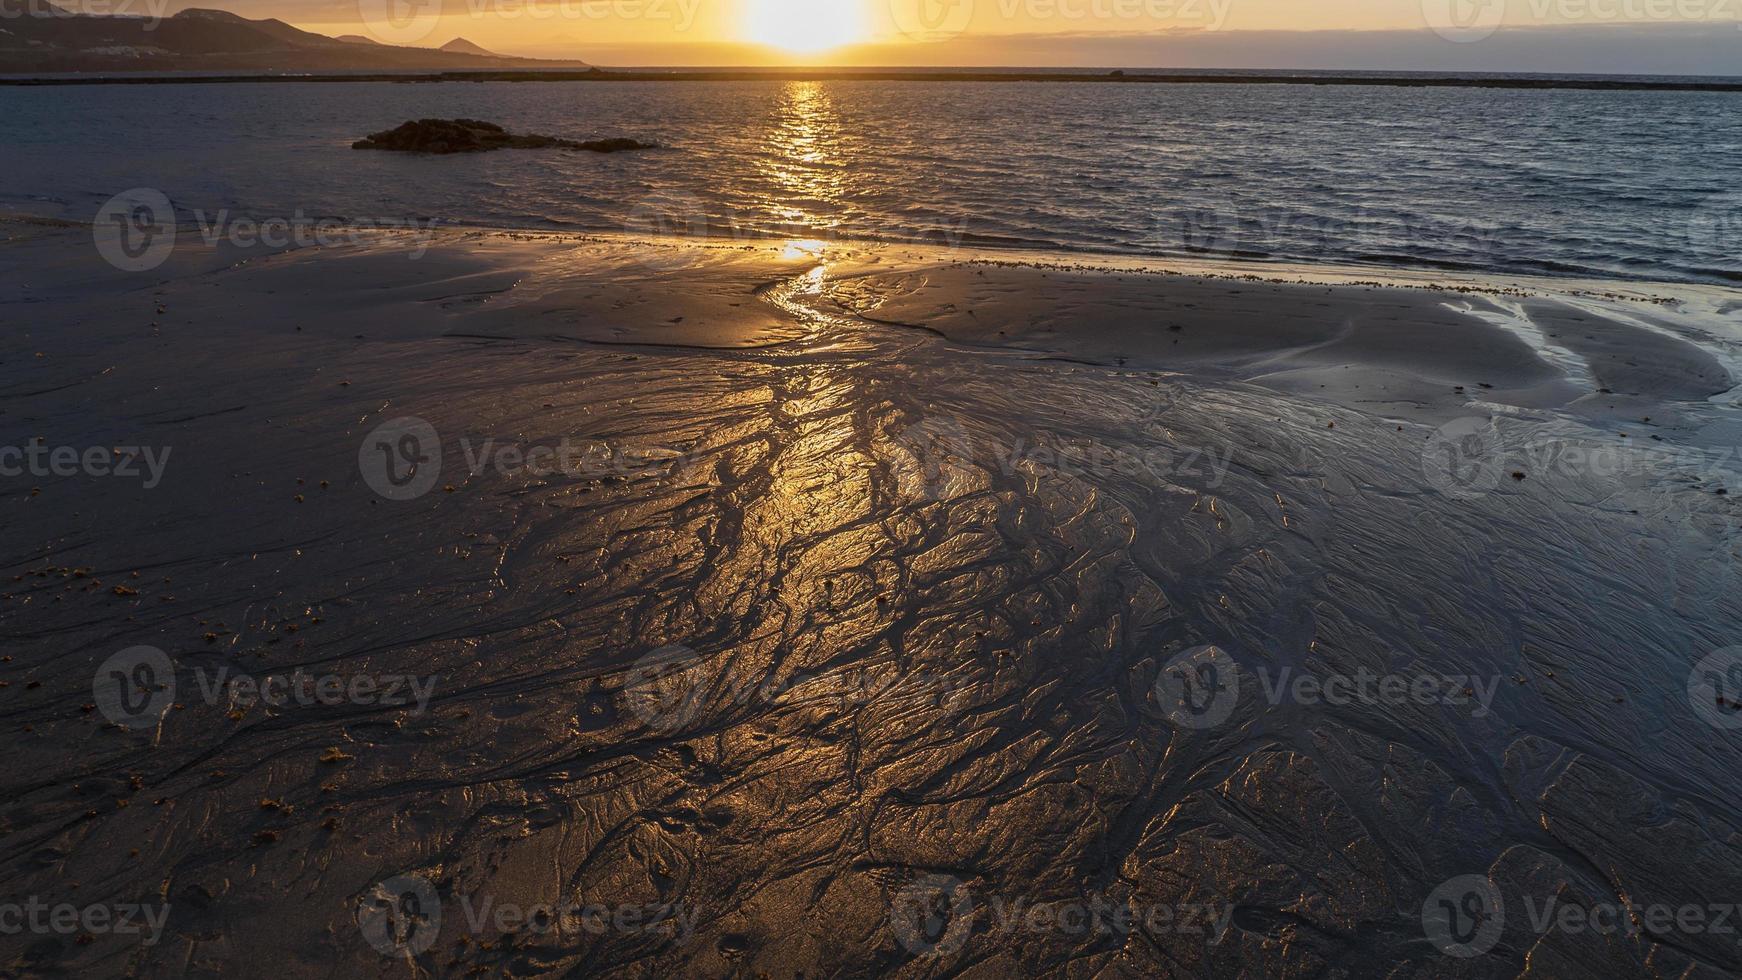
x=1644 y=185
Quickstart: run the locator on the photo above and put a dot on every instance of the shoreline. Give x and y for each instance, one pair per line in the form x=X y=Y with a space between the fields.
x=1134 y=77
x=1232 y=266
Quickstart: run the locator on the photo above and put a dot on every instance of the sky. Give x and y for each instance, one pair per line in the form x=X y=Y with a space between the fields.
x=1599 y=36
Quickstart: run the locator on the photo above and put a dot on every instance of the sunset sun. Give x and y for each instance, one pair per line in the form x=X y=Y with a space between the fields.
x=805 y=25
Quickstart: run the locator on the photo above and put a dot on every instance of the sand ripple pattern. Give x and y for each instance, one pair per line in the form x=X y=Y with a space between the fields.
x=898 y=629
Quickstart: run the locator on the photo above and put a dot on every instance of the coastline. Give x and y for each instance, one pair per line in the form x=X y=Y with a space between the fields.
x=1132 y=77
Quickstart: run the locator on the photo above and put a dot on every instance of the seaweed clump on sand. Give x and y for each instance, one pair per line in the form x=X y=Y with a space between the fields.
x=473 y=136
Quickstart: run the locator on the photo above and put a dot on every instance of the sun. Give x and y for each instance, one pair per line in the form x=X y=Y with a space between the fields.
x=805 y=25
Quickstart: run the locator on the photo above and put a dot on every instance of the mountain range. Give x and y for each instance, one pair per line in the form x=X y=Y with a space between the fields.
x=37 y=37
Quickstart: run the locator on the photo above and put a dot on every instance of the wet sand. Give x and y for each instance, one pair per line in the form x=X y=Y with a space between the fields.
x=869 y=585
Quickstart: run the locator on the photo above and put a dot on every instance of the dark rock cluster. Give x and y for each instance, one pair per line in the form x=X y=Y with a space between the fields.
x=474 y=136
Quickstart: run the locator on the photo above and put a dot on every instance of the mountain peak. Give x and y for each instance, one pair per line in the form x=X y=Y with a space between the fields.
x=206 y=13
x=460 y=45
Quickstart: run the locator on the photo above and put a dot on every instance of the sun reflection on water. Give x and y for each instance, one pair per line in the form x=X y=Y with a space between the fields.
x=803 y=248
x=804 y=162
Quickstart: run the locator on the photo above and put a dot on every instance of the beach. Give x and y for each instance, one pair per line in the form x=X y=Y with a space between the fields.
x=809 y=606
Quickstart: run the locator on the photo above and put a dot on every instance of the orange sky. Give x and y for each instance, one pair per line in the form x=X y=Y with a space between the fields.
x=891 y=31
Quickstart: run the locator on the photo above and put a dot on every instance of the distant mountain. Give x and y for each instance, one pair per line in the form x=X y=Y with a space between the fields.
x=460 y=45
x=356 y=39
x=271 y=28
x=39 y=38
